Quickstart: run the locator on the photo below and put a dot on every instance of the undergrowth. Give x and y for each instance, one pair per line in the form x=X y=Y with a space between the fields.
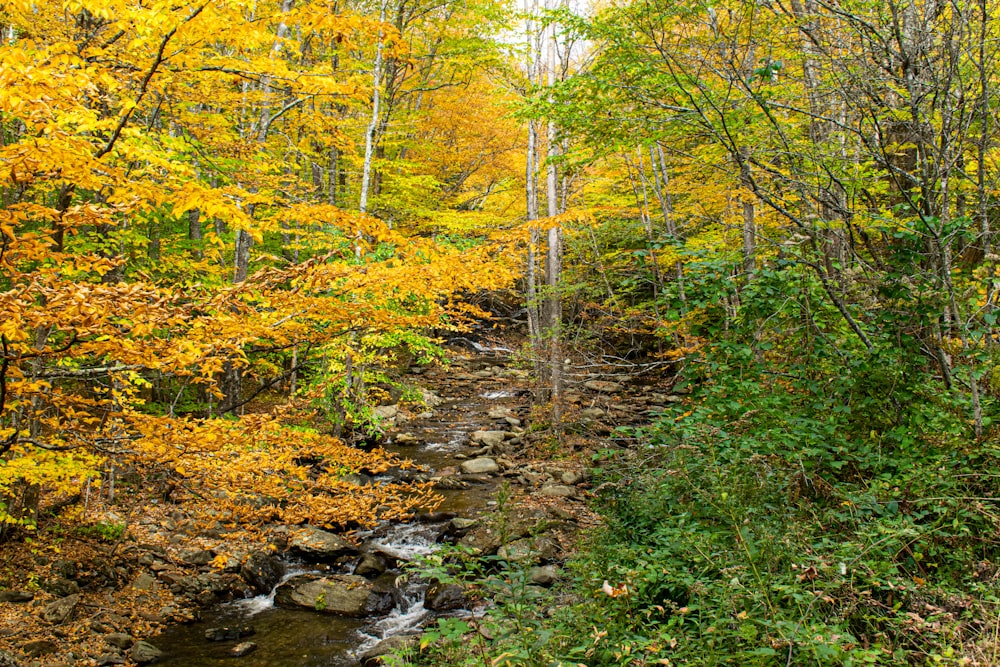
x=784 y=518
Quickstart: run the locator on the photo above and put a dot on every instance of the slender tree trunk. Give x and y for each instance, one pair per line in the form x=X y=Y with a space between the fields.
x=366 y=171
x=553 y=259
x=749 y=217
x=531 y=196
x=661 y=183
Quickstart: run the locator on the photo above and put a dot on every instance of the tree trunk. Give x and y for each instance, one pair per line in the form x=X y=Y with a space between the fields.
x=366 y=171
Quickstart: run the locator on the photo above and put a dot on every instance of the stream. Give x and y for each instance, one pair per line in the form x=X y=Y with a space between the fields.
x=291 y=637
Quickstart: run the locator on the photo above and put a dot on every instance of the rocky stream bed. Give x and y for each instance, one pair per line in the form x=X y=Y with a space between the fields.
x=316 y=598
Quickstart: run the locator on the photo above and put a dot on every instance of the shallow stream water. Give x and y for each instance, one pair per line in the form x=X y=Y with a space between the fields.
x=287 y=637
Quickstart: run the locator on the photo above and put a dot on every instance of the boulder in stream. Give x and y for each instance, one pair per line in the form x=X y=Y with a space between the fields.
x=340 y=594
x=371 y=565
x=488 y=438
x=314 y=544
x=480 y=466
x=262 y=571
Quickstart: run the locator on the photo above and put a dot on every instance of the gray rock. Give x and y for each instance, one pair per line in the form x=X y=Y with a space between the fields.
x=528 y=550
x=489 y=438
x=499 y=413
x=59 y=611
x=16 y=596
x=371 y=565
x=313 y=543
x=513 y=421
x=603 y=386
x=592 y=413
x=558 y=491
x=242 y=649
x=545 y=575
x=144 y=652
x=144 y=582
x=39 y=647
x=445 y=597
x=262 y=571
x=7 y=660
x=197 y=556
x=386 y=412
x=374 y=657
x=62 y=587
x=340 y=594
x=109 y=659
x=450 y=483
x=461 y=525
x=407 y=440
x=480 y=466
x=431 y=399
x=570 y=477
x=121 y=640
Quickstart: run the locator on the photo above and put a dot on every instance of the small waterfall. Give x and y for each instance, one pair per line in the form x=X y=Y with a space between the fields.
x=264 y=601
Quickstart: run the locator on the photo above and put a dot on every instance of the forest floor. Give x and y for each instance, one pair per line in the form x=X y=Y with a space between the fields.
x=92 y=597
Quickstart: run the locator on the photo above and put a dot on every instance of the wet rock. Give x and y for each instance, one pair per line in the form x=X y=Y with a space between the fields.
x=545 y=575
x=407 y=440
x=59 y=611
x=316 y=544
x=489 y=438
x=371 y=565
x=229 y=633
x=144 y=582
x=262 y=571
x=433 y=517
x=197 y=556
x=62 y=587
x=480 y=466
x=340 y=594
x=376 y=655
x=39 y=647
x=242 y=649
x=450 y=483
x=431 y=400
x=603 y=386
x=461 y=525
x=558 y=491
x=121 y=640
x=15 y=596
x=445 y=597
x=144 y=652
